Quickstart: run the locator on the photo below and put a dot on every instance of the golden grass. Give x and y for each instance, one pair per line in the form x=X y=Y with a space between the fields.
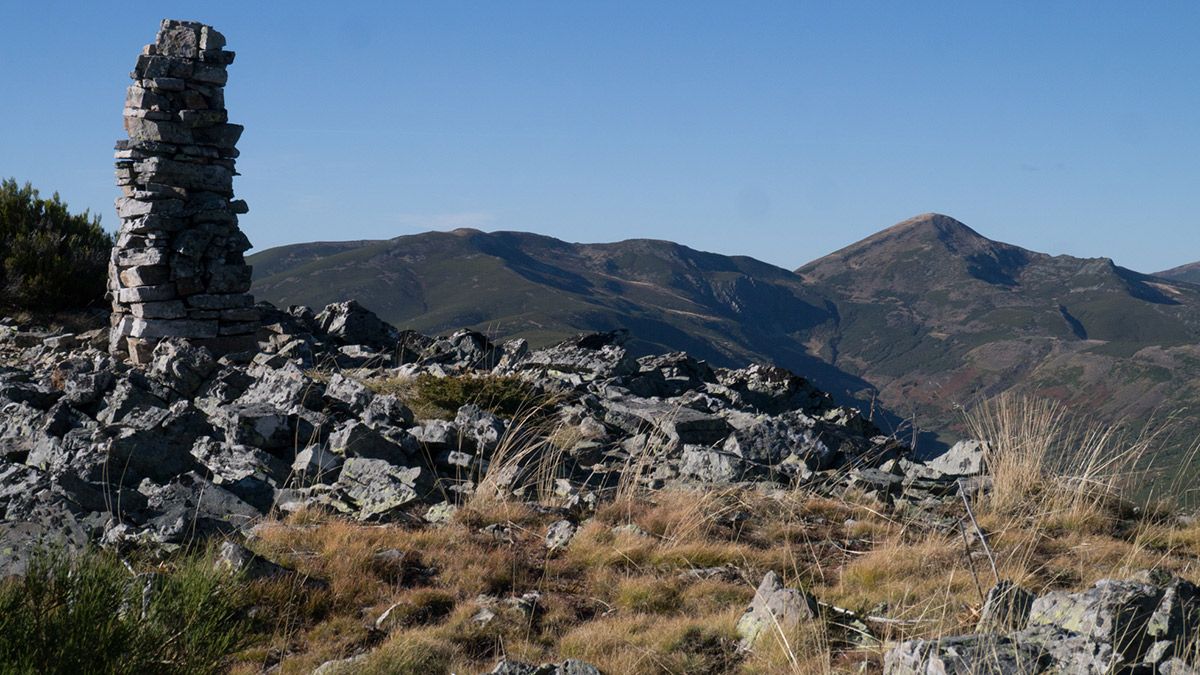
x=1064 y=470
x=629 y=594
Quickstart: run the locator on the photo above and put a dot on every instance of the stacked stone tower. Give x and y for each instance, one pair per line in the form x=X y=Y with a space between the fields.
x=178 y=268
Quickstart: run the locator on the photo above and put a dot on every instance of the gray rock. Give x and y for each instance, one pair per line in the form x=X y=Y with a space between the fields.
x=464 y=349
x=1111 y=612
x=965 y=458
x=180 y=366
x=1070 y=652
x=285 y=387
x=710 y=466
x=190 y=507
x=159 y=453
x=236 y=559
x=679 y=424
x=568 y=667
x=1177 y=666
x=83 y=382
x=387 y=411
x=376 y=488
x=355 y=439
x=229 y=463
x=346 y=666
x=775 y=608
x=349 y=393
x=559 y=534
x=440 y=514
x=350 y=323
x=261 y=425
x=480 y=430
x=585 y=358
x=770 y=444
x=315 y=464
x=436 y=436
x=1177 y=617
x=965 y=655
x=773 y=390
x=131 y=404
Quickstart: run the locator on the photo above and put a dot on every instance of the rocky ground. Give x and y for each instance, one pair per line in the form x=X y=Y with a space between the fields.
x=608 y=490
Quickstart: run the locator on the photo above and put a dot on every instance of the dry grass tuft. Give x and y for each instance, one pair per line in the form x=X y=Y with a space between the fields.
x=1047 y=464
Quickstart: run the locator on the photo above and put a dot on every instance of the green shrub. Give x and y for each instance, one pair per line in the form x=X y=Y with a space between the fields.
x=50 y=259
x=88 y=614
x=498 y=394
x=433 y=397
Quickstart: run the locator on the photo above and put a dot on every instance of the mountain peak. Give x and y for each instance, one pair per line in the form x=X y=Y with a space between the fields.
x=950 y=231
x=921 y=232
x=933 y=247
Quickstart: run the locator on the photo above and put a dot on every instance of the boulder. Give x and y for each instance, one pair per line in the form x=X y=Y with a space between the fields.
x=181 y=367
x=315 y=464
x=261 y=425
x=375 y=488
x=355 y=439
x=964 y=458
x=349 y=323
x=774 y=609
x=676 y=423
x=704 y=465
x=479 y=429
x=464 y=349
x=234 y=558
x=159 y=453
x=773 y=440
x=351 y=394
x=284 y=387
x=1112 y=612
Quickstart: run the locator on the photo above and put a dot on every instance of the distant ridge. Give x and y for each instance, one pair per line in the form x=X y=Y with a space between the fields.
x=1189 y=272
x=926 y=316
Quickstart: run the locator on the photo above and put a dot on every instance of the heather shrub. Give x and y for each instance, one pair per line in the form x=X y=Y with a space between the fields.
x=50 y=259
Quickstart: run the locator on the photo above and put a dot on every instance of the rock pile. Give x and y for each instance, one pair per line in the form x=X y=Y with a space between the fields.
x=1144 y=625
x=193 y=443
x=178 y=268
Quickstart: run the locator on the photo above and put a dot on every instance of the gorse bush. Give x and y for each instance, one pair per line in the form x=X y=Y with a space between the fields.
x=89 y=614
x=50 y=259
x=440 y=397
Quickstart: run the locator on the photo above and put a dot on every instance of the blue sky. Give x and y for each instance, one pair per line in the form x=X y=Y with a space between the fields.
x=778 y=130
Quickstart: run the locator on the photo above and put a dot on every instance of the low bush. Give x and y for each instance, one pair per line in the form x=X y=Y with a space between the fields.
x=50 y=259
x=440 y=397
x=89 y=614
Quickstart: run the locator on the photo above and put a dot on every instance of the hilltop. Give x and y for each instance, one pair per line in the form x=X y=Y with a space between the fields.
x=352 y=498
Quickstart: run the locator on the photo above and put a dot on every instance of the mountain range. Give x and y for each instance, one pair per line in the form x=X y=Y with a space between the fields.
x=916 y=322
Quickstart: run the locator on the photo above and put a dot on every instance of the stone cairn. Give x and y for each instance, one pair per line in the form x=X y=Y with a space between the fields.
x=178 y=268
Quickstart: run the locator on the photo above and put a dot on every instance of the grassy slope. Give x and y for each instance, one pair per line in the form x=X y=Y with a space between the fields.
x=729 y=310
